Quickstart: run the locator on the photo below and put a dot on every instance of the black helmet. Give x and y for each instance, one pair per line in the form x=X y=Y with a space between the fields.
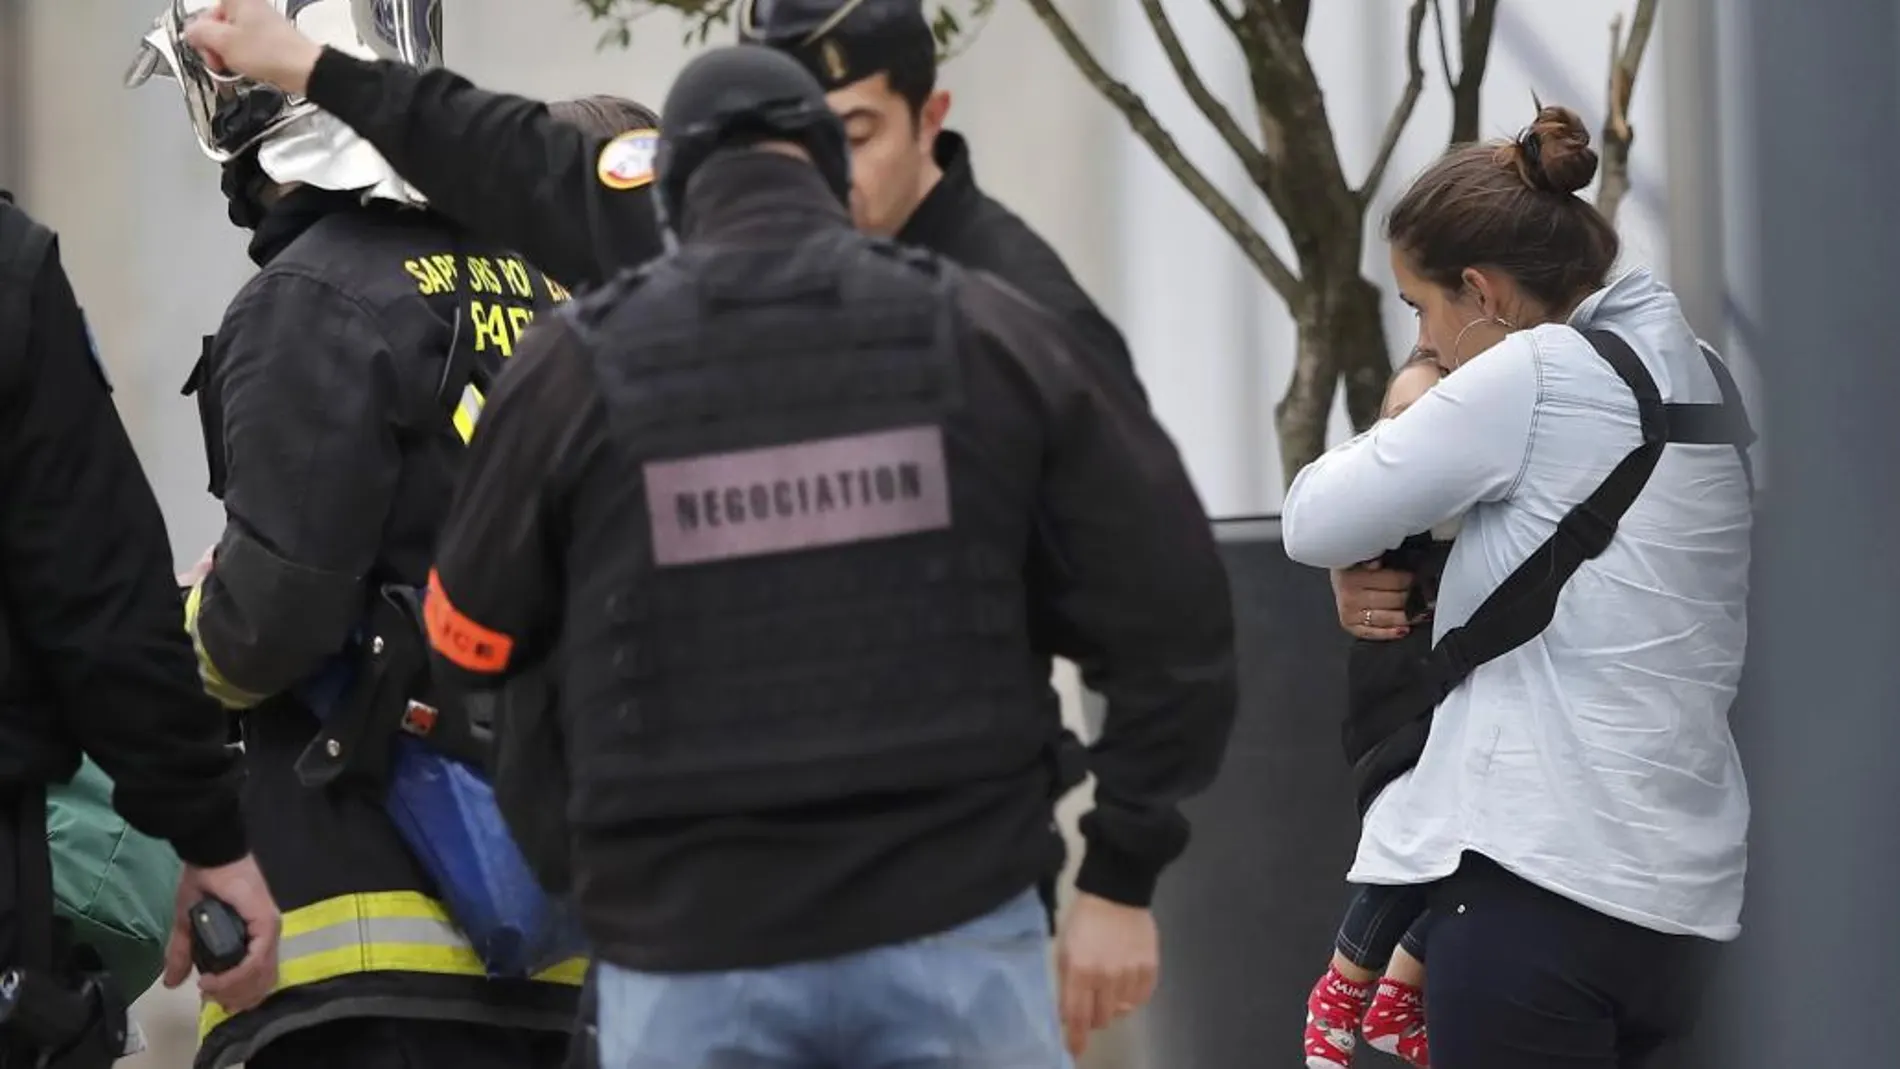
x=737 y=96
x=843 y=41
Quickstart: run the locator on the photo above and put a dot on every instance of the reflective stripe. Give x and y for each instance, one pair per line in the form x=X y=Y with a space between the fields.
x=228 y=694
x=468 y=411
x=385 y=931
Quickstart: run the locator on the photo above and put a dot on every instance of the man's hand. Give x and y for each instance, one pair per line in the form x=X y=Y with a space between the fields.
x=1371 y=601
x=1107 y=960
x=241 y=886
x=251 y=38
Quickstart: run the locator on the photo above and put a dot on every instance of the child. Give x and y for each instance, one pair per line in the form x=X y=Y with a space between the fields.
x=1385 y=927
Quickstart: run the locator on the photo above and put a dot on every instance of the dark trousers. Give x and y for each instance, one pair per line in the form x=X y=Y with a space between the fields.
x=389 y=1043
x=1522 y=977
x=17 y=874
x=1380 y=918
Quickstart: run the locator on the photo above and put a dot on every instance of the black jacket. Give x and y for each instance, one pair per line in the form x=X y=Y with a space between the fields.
x=329 y=439
x=960 y=221
x=332 y=446
x=498 y=164
x=1378 y=669
x=1132 y=573
x=93 y=651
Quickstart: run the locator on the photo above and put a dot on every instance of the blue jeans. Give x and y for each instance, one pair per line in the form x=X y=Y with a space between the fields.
x=979 y=996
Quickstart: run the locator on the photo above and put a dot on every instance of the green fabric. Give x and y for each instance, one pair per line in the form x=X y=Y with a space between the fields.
x=115 y=885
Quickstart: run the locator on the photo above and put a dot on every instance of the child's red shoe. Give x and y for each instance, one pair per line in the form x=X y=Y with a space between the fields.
x=1395 y=1022
x=1332 y=1020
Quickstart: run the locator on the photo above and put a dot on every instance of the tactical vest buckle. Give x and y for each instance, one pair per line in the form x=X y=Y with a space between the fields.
x=419 y=719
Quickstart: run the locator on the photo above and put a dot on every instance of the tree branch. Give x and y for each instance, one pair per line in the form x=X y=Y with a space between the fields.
x=1310 y=192
x=1255 y=161
x=1161 y=143
x=1298 y=14
x=1626 y=57
x=1444 y=51
x=1474 y=52
x=1228 y=17
x=1408 y=100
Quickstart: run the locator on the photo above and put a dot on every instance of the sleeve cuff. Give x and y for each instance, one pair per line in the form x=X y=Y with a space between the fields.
x=228 y=695
x=220 y=842
x=1116 y=875
x=331 y=78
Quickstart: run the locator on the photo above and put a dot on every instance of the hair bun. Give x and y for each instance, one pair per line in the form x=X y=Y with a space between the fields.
x=1553 y=153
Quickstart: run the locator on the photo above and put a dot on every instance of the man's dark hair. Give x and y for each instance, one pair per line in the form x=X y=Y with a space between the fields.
x=604 y=116
x=914 y=82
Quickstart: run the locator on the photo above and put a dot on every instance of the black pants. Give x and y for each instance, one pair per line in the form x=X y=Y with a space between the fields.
x=386 y=1043
x=1521 y=977
x=1380 y=918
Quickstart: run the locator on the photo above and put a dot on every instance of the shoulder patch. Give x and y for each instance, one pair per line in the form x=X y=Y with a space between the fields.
x=626 y=162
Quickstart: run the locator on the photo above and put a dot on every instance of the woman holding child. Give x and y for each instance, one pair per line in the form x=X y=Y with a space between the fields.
x=1571 y=820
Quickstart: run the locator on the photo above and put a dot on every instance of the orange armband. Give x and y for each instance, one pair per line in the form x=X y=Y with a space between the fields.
x=466 y=644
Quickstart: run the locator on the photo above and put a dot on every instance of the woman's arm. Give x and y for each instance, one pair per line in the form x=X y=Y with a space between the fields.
x=1464 y=442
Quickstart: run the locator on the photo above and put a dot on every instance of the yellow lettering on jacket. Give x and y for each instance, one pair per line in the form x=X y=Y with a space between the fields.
x=498 y=305
x=496 y=276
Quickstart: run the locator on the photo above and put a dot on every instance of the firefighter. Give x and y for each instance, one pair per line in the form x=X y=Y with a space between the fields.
x=337 y=397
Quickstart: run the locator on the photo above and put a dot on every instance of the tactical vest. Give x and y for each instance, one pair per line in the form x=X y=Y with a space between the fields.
x=366 y=933
x=814 y=588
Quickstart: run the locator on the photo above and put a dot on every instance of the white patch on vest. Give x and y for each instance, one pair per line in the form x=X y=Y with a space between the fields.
x=626 y=162
x=803 y=495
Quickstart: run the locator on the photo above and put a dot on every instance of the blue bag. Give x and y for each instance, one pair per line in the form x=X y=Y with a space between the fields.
x=446 y=812
x=444 y=808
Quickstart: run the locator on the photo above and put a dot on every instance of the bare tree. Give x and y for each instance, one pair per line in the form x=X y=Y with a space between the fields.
x=1626 y=55
x=1290 y=156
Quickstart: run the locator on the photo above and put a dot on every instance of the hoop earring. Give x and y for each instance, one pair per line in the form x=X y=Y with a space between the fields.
x=1499 y=320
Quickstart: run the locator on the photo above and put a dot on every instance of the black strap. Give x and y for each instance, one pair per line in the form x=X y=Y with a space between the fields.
x=1737 y=422
x=390 y=696
x=1524 y=604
